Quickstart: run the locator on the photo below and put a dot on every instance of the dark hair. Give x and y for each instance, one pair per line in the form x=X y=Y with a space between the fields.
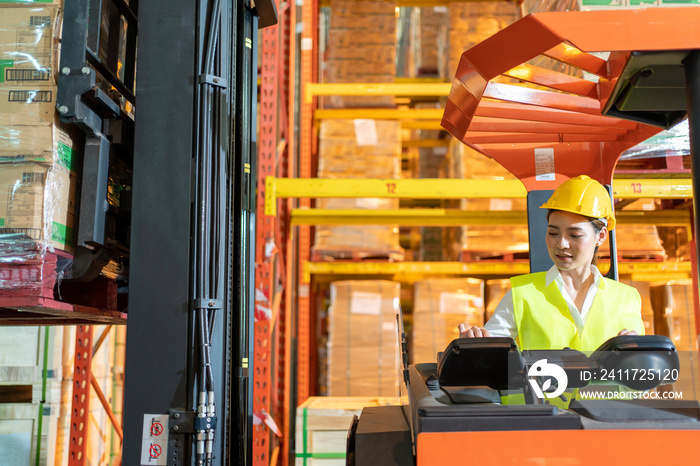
x=597 y=225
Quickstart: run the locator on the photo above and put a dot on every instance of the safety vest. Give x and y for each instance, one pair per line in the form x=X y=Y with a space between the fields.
x=544 y=321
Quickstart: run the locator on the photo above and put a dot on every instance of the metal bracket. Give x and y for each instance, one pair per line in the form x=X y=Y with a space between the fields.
x=187 y=422
x=181 y=422
x=213 y=80
x=208 y=303
x=205 y=423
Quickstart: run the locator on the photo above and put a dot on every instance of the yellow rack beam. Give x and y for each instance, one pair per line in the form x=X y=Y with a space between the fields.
x=409 y=189
x=379 y=113
x=679 y=188
x=672 y=188
x=417 y=269
x=380 y=89
x=455 y=217
x=409 y=271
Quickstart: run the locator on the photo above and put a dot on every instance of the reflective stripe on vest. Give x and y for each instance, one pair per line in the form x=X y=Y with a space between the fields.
x=544 y=321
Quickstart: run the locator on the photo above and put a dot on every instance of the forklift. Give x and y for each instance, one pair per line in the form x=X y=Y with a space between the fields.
x=484 y=400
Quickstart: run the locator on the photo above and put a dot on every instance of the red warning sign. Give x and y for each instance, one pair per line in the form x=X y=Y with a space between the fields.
x=155 y=451
x=156 y=428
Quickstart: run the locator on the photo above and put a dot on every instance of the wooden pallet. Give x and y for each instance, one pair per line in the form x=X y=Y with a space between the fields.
x=623 y=256
x=635 y=256
x=30 y=294
x=351 y=255
x=494 y=256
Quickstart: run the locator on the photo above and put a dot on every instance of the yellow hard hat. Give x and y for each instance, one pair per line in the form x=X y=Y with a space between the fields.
x=584 y=196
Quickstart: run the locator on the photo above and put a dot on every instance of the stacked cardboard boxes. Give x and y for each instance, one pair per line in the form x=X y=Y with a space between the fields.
x=361 y=48
x=36 y=387
x=38 y=158
x=440 y=305
x=26 y=355
x=363 y=346
x=359 y=149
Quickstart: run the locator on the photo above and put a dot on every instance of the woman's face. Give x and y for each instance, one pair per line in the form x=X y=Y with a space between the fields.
x=571 y=240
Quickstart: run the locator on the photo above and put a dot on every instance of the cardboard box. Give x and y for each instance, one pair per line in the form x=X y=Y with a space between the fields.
x=37 y=203
x=359 y=149
x=28 y=46
x=22 y=106
x=440 y=305
x=53 y=144
x=38 y=185
x=363 y=346
x=363 y=241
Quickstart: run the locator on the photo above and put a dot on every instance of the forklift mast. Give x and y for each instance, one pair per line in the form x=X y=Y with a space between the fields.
x=188 y=391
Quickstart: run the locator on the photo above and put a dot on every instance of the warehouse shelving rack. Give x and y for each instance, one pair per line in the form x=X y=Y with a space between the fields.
x=273 y=254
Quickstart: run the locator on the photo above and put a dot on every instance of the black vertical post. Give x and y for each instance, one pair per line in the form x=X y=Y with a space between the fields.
x=159 y=359
x=692 y=84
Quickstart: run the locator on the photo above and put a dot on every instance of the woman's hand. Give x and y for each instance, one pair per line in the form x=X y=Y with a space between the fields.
x=473 y=332
x=624 y=331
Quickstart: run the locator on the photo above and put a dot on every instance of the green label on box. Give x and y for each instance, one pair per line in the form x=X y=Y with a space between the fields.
x=5 y=64
x=64 y=155
x=2 y=222
x=62 y=234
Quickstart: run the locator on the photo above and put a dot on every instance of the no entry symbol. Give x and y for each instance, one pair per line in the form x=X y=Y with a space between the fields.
x=155 y=451
x=156 y=429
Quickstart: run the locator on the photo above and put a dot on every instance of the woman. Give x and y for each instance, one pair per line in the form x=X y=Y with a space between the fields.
x=572 y=304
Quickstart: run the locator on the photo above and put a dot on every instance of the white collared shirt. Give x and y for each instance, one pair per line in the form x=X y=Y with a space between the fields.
x=502 y=323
